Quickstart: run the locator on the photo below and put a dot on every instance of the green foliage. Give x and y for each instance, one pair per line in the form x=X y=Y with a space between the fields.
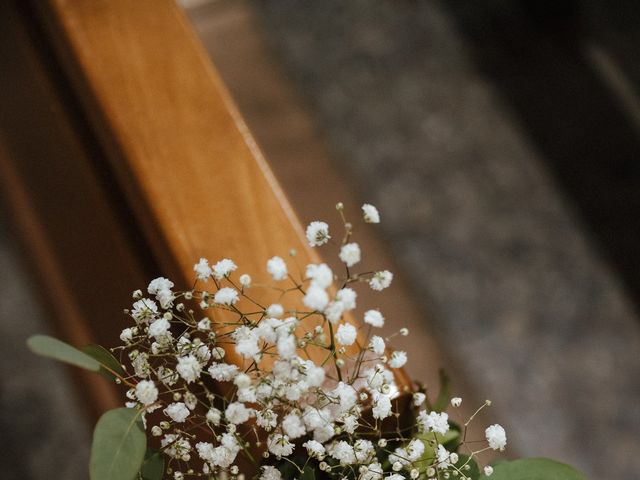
x=468 y=467
x=53 y=348
x=444 y=396
x=153 y=466
x=534 y=469
x=109 y=365
x=119 y=446
x=430 y=445
x=308 y=473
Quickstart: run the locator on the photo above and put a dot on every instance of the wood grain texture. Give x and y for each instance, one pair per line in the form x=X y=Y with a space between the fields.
x=193 y=174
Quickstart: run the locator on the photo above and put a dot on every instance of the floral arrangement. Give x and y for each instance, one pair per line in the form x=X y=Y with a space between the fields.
x=235 y=379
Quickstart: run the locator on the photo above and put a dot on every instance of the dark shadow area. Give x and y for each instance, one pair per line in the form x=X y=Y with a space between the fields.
x=535 y=54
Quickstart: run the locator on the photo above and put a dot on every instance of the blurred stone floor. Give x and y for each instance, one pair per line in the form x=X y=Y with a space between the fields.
x=493 y=243
x=42 y=430
x=495 y=246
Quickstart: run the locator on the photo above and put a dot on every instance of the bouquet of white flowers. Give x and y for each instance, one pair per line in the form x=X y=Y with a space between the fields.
x=236 y=379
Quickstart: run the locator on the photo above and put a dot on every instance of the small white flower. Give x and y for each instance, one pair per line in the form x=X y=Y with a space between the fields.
x=488 y=471
x=242 y=380
x=277 y=268
x=415 y=449
x=189 y=368
x=370 y=213
x=270 y=473
x=204 y=325
x=321 y=275
x=275 y=310
x=456 y=401
x=223 y=268
x=144 y=310
x=343 y=452
x=398 y=359
x=381 y=280
x=146 y=392
x=293 y=426
x=213 y=416
x=280 y=445
x=202 y=269
x=159 y=329
x=286 y=347
x=223 y=372
x=226 y=296
x=377 y=345
x=442 y=455
x=158 y=284
x=348 y=298
x=350 y=254
x=334 y=311
x=364 y=450
x=381 y=407
x=178 y=412
x=317 y=233
x=237 y=413
x=316 y=298
x=314 y=449
x=245 y=280
x=346 y=334
x=496 y=436
x=374 y=318
x=246 y=341
x=267 y=419
x=126 y=335
x=433 y=422
x=419 y=398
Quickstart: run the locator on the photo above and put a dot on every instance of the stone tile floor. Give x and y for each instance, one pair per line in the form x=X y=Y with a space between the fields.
x=43 y=433
x=490 y=241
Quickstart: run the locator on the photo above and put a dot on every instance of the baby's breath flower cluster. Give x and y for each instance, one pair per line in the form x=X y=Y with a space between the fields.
x=230 y=383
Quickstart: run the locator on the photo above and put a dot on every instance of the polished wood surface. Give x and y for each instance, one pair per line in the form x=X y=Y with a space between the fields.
x=150 y=165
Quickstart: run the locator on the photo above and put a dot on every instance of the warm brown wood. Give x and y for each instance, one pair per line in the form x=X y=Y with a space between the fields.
x=192 y=172
x=128 y=113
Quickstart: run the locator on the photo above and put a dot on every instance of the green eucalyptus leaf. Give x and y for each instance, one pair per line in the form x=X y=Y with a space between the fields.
x=308 y=473
x=444 y=396
x=108 y=363
x=53 y=348
x=468 y=467
x=451 y=440
x=119 y=446
x=534 y=469
x=153 y=466
x=430 y=445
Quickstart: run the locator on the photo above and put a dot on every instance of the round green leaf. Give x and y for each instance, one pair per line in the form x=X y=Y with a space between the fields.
x=119 y=446
x=468 y=467
x=153 y=466
x=108 y=362
x=53 y=348
x=534 y=469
